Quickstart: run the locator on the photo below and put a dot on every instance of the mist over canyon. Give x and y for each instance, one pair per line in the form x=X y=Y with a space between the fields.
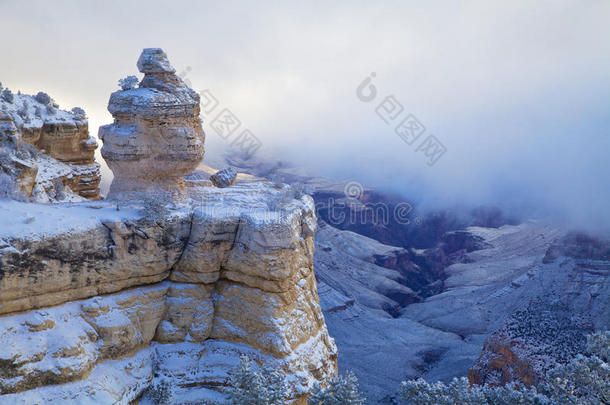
x=523 y=115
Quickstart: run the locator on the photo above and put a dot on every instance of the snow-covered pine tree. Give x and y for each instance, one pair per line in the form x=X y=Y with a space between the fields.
x=160 y=393
x=128 y=83
x=79 y=112
x=7 y=96
x=583 y=381
x=459 y=391
x=249 y=387
x=340 y=391
x=275 y=382
x=43 y=98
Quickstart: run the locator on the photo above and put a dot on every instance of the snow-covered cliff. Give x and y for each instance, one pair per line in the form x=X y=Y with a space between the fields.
x=103 y=300
x=46 y=154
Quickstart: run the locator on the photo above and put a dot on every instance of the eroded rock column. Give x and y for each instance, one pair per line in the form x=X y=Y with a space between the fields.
x=156 y=137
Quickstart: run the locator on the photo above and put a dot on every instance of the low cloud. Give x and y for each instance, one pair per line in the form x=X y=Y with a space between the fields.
x=517 y=92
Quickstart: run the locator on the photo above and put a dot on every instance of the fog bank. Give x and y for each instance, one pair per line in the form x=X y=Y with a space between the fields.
x=517 y=93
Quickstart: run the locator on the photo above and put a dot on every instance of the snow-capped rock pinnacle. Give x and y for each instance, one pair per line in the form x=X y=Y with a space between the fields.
x=156 y=137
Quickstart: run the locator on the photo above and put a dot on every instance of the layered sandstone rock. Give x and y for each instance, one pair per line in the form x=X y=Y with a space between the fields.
x=65 y=149
x=229 y=273
x=156 y=137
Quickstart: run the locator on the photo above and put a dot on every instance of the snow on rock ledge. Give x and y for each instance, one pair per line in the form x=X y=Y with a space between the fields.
x=230 y=272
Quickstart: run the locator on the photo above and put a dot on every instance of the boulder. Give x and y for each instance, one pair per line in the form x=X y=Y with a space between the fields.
x=224 y=178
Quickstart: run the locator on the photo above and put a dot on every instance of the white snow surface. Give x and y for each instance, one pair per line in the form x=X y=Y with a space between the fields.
x=35 y=221
x=26 y=111
x=116 y=382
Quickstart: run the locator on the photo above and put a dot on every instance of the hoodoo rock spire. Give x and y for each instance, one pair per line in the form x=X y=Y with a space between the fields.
x=156 y=137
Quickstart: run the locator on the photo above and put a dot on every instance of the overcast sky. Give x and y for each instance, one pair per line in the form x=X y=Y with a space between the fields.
x=517 y=91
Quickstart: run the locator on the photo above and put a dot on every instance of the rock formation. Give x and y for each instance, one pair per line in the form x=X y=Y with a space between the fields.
x=63 y=153
x=230 y=276
x=156 y=137
x=98 y=305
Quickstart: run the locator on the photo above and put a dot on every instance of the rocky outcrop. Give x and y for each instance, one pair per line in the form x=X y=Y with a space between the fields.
x=231 y=272
x=79 y=263
x=100 y=301
x=63 y=153
x=156 y=137
x=551 y=329
x=371 y=269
